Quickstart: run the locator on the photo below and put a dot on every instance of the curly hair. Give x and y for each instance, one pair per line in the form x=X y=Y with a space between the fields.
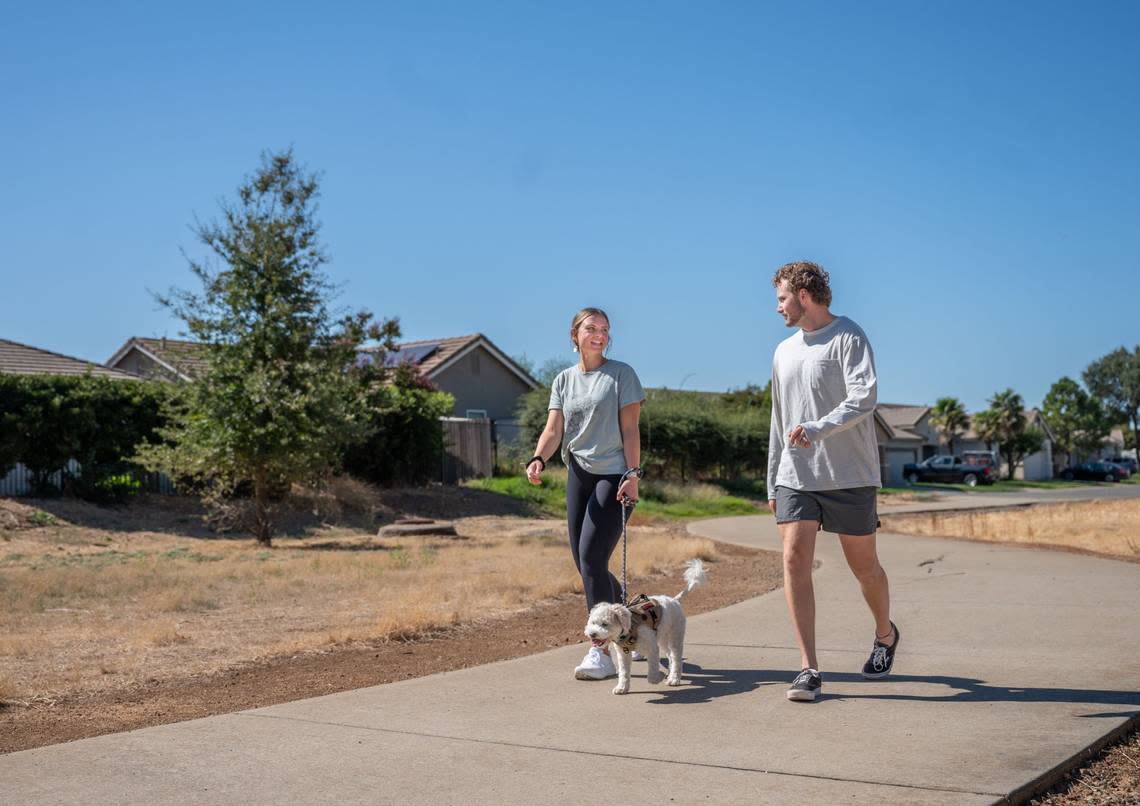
x=806 y=276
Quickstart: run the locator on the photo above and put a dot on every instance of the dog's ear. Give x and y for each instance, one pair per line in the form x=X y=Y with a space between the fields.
x=623 y=616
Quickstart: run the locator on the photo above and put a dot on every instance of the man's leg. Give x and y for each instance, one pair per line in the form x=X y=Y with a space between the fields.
x=798 y=538
x=863 y=559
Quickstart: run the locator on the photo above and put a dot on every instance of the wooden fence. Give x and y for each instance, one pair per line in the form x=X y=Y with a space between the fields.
x=468 y=449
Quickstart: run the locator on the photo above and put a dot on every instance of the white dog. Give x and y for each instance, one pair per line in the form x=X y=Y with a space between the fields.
x=650 y=624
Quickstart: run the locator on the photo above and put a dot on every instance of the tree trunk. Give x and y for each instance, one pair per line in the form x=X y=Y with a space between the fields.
x=261 y=508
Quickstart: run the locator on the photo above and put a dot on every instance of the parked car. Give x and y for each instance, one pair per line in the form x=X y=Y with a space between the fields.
x=1093 y=471
x=984 y=458
x=1124 y=469
x=1128 y=462
x=950 y=470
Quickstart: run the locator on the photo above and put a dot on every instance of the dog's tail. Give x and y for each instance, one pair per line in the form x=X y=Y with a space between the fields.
x=695 y=574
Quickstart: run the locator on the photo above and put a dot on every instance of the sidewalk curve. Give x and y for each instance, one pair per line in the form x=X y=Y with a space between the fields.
x=1012 y=660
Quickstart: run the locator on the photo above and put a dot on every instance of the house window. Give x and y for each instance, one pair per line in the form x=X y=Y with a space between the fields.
x=477 y=414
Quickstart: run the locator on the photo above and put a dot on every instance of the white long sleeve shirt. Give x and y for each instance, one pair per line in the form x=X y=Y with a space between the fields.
x=825 y=381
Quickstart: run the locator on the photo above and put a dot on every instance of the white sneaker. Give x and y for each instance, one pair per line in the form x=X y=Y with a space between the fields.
x=636 y=655
x=597 y=665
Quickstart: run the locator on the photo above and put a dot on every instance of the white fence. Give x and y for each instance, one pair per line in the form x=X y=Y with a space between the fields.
x=19 y=480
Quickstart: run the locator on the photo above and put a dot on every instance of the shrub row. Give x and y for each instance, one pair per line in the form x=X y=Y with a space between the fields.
x=686 y=435
x=45 y=421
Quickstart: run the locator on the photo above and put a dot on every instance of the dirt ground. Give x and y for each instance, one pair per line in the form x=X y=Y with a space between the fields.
x=194 y=674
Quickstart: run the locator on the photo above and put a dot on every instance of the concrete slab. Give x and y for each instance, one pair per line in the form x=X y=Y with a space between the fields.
x=1011 y=662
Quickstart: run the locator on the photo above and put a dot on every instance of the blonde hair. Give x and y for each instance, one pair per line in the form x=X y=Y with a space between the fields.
x=803 y=275
x=581 y=317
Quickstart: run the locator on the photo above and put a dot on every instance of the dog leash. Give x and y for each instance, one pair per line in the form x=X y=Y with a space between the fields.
x=627 y=505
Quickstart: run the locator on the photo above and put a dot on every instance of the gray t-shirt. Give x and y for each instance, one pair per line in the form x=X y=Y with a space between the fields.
x=825 y=381
x=590 y=403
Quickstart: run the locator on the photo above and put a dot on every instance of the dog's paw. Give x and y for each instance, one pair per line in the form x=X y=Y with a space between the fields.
x=654 y=676
x=621 y=688
x=674 y=681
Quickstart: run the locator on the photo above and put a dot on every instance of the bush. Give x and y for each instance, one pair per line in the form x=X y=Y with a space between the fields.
x=45 y=421
x=405 y=445
x=687 y=435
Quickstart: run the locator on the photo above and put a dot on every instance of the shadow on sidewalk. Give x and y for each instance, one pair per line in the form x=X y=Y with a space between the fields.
x=704 y=685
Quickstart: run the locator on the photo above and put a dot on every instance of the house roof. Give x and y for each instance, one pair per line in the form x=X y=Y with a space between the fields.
x=901 y=420
x=22 y=359
x=432 y=356
x=183 y=358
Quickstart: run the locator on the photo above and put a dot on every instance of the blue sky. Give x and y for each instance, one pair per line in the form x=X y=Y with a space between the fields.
x=967 y=172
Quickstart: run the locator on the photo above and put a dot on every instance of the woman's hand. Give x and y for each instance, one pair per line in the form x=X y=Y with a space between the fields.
x=628 y=489
x=533 y=470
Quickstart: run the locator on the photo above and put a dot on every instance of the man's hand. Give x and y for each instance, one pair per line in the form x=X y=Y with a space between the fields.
x=772 y=505
x=798 y=438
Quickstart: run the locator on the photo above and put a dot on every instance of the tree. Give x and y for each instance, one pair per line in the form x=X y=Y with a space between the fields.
x=1115 y=379
x=987 y=425
x=1076 y=418
x=1026 y=443
x=949 y=417
x=550 y=369
x=1008 y=421
x=283 y=390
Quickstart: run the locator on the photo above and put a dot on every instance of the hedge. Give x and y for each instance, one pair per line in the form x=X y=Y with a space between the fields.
x=46 y=420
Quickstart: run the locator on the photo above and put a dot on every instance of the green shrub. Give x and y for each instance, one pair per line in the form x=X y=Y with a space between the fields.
x=405 y=441
x=45 y=421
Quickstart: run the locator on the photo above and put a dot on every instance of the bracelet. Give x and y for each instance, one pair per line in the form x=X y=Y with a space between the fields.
x=636 y=472
x=538 y=459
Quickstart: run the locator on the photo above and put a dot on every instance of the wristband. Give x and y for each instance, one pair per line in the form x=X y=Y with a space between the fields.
x=538 y=459
x=636 y=472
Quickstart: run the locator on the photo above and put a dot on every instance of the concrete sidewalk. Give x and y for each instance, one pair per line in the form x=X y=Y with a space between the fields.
x=1011 y=662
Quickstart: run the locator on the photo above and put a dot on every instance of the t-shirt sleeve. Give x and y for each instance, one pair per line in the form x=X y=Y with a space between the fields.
x=630 y=390
x=555 y=394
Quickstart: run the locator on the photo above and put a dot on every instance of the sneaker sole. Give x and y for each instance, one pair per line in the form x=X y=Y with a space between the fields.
x=590 y=675
x=803 y=696
x=876 y=675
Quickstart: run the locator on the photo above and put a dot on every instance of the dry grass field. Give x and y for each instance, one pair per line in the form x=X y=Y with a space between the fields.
x=1100 y=527
x=88 y=606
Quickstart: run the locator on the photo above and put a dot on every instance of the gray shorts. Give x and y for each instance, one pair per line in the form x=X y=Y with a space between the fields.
x=850 y=512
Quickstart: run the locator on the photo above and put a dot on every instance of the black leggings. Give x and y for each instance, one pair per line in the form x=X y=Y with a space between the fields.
x=595 y=517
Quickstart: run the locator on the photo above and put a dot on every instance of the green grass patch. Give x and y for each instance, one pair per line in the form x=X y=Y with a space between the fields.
x=1003 y=486
x=664 y=500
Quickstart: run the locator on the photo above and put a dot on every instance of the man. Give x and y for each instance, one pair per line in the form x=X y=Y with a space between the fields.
x=823 y=465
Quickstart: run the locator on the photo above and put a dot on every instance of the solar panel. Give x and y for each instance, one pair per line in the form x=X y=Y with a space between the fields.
x=410 y=355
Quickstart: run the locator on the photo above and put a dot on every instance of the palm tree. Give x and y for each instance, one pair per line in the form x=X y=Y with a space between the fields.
x=987 y=425
x=950 y=418
x=1010 y=410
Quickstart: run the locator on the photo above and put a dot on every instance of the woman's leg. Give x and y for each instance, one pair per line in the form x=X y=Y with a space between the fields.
x=579 y=488
x=601 y=531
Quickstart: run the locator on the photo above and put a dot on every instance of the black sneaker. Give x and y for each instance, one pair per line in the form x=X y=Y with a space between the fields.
x=882 y=658
x=806 y=687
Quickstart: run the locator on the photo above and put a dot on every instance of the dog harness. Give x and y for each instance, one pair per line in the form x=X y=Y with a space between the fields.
x=642 y=610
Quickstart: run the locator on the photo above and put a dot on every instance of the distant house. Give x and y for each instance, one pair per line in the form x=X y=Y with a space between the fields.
x=1035 y=467
x=1111 y=447
x=22 y=359
x=484 y=380
x=159 y=359
x=905 y=435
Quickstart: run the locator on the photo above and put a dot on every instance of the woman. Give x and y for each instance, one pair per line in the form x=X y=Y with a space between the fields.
x=594 y=409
